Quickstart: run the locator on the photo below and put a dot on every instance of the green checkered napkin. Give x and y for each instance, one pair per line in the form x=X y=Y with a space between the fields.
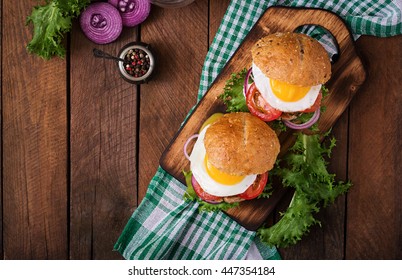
x=166 y=227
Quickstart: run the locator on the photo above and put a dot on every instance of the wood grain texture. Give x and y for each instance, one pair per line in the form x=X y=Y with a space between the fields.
x=34 y=145
x=347 y=76
x=217 y=11
x=78 y=149
x=103 y=148
x=374 y=216
x=179 y=37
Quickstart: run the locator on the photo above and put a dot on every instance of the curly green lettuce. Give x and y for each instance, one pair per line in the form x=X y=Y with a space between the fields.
x=304 y=169
x=232 y=95
x=50 y=23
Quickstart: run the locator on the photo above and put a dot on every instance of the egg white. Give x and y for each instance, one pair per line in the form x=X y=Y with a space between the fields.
x=208 y=184
x=264 y=87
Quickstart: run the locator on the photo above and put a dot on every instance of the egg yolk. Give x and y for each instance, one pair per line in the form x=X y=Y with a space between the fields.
x=213 y=118
x=288 y=92
x=221 y=177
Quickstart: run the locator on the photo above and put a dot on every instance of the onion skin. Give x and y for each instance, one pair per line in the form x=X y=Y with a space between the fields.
x=101 y=23
x=245 y=87
x=186 y=145
x=132 y=12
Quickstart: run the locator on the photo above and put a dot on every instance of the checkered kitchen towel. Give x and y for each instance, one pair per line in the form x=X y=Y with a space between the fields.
x=166 y=227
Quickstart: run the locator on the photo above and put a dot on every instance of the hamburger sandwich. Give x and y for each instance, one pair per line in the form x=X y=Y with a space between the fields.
x=231 y=158
x=289 y=70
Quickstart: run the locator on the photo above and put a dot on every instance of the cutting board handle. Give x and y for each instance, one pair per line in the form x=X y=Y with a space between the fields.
x=331 y=22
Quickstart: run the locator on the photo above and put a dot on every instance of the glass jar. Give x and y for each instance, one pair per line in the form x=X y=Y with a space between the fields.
x=171 y=3
x=139 y=62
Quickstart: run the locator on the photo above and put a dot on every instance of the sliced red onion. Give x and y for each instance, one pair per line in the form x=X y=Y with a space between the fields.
x=186 y=145
x=213 y=201
x=245 y=87
x=133 y=12
x=101 y=23
x=305 y=125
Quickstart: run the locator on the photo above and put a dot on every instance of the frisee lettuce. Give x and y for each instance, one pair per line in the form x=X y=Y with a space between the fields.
x=304 y=169
x=232 y=95
x=50 y=23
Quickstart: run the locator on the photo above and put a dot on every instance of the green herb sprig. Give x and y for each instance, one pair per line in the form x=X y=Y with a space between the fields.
x=50 y=23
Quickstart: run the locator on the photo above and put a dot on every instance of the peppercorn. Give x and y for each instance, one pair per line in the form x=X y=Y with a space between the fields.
x=140 y=60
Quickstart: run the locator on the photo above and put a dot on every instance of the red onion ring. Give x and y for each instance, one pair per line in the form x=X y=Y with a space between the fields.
x=212 y=201
x=186 y=145
x=132 y=12
x=245 y=87
x=305 y=125
x=101 y=23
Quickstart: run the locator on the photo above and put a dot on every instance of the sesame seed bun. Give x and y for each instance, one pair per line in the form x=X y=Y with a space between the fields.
x=293 y=58
x=241 y=144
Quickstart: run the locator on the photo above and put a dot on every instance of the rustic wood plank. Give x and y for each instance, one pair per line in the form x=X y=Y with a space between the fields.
x=180 y=41
x=103 y=148
x=374 y=215
x=34 y=144
x=216 y=12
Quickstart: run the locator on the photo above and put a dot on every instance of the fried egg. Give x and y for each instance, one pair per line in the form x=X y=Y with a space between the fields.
x=212 y=180
x=282 y=96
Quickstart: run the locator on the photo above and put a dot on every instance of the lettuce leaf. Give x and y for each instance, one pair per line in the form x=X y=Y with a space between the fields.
x=50 y=23
x=232 y=95
x=294 y=223
x=304 y=169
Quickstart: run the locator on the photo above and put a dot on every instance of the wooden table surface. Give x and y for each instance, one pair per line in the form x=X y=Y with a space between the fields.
x=80 y=145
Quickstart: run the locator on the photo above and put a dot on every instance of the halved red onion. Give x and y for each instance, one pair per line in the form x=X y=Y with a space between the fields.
x=133 y=12
x=305 y=125
x=186 y=145
x=101 y=23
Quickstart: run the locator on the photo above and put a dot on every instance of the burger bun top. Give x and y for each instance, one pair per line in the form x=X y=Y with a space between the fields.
x=241 y=144
x=293 y=58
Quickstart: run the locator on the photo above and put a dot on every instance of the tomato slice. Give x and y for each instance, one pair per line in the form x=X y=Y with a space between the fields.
x=315 y=106
x=203 y=194
x=252 y=192
x=256 y=188
x=259 y=107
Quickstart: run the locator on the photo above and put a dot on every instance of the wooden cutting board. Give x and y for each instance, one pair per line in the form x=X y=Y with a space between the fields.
x=347 y=76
